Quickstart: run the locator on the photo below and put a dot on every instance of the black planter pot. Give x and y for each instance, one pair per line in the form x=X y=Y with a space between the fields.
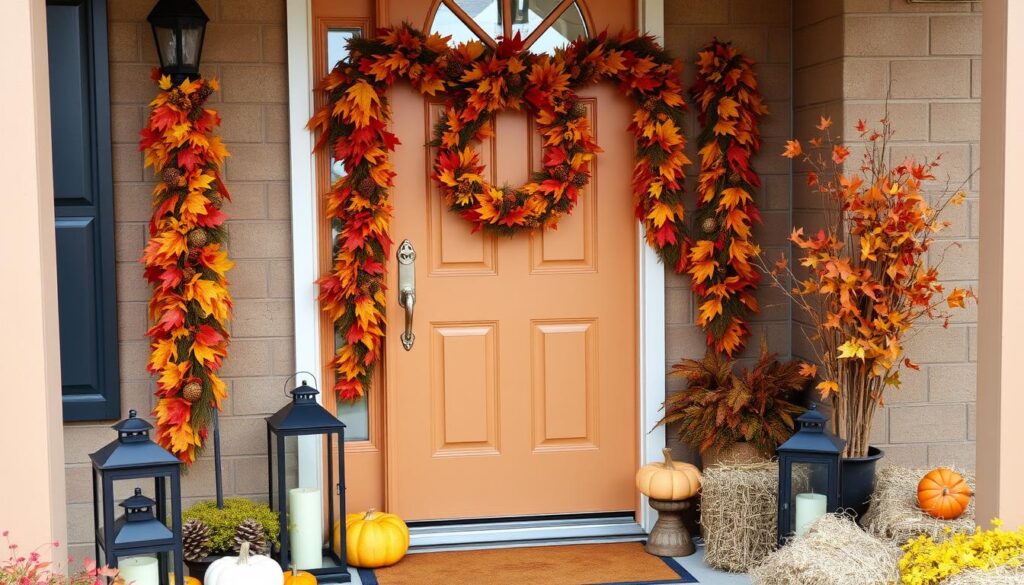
x=198 y=569
x=857 y=481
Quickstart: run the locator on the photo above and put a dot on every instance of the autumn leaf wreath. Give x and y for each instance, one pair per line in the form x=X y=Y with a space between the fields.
x=478 y=81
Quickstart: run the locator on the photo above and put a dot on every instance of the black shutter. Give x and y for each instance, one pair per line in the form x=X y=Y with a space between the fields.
x=83 y=200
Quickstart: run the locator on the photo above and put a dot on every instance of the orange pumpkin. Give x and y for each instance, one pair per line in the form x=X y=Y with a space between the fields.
x=671 y=480
x=295 y=577
x=943 y=493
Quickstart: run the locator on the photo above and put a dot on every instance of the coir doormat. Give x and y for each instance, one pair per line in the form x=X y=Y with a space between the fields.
x=579 y=564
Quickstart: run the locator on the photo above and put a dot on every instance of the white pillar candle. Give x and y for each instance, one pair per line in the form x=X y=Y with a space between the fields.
x=140 y=570
x=809 y=507
x=305 y=521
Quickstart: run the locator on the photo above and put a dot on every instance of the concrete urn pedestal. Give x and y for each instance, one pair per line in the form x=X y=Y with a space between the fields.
x=669 y=537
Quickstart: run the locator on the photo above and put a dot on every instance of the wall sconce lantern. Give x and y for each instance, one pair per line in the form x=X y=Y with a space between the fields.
x=305 y=528
x=808 y=475
x=179 y=27
x=139 y=541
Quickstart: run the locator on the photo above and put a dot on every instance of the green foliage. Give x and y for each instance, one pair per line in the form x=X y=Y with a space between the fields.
x=222 y=523
x=720 y=407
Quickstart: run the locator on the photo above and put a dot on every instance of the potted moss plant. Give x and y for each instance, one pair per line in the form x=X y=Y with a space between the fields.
x=732 y=417
x=210 y=532
x=867 y=278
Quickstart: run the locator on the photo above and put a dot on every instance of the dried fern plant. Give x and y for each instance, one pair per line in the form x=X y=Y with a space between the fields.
x=720 y=407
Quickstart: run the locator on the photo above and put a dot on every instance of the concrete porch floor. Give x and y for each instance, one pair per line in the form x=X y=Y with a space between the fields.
x=693 y=563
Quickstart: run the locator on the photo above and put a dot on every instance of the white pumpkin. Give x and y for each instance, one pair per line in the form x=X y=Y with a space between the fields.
x=245 y=569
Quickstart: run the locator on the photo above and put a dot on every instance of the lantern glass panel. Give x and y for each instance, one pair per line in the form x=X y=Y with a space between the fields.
x=808 y=501
x=167 y=44
x=191 y=43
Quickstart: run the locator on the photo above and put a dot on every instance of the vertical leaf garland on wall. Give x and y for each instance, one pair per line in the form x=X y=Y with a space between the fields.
x=186 y=260
x=723 y=277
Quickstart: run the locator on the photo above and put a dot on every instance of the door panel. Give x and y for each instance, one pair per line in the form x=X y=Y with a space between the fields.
x=525 y=346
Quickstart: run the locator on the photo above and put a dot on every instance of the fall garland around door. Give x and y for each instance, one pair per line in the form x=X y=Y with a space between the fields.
x=477 y=82
x=185 y=261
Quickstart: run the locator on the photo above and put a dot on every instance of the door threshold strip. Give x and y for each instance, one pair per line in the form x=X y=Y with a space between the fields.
x=520 y=533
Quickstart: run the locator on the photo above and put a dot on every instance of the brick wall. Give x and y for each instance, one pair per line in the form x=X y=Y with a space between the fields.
x=245 y=48
x=762 y=30
x=926 y=58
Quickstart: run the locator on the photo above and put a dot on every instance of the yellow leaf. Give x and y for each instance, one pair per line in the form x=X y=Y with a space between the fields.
x=702 y=271
x=827 y=388
x=165 y=82
x=733 y=196
x=661 y=213
x=851 y=349
x=728 y=108
x=701 y=250
x=709 y=310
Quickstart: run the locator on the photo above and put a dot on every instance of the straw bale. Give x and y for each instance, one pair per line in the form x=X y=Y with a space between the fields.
x=738 y=511
x=894 y=513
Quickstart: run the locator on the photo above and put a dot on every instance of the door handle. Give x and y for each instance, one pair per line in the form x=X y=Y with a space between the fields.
x=407 y=289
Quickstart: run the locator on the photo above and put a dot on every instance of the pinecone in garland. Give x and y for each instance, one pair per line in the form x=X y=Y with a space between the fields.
x=193 y=254
x=187 y=273
x=650 y=104
x=195 y=540
x=178 y=98
x=578 y=110
x=709 y=225
x=171 y=175
x=192 y=391
x=580 y=179
x=252 y=532
x=204 y=92
x=367 y=186
x=464 y=188
x=197 y=238
x=195 y=113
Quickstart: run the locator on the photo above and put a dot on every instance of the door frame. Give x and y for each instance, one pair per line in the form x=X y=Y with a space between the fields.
x=305 y=256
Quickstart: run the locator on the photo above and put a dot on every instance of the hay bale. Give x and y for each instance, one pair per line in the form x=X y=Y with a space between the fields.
x=894 y=513
x=737 y=513
x=998 y=576
x=833 y=551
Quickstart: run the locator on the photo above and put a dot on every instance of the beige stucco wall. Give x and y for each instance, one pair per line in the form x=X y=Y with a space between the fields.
x=762 y=30
x=927 y=59
x=245 y=48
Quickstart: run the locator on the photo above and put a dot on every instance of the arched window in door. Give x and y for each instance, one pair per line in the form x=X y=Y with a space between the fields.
x=544 y=24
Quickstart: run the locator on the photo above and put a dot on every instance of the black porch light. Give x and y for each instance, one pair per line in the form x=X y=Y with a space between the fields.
x=311 y=539
x=808 y=475
x=178 y=29
x=144 y=538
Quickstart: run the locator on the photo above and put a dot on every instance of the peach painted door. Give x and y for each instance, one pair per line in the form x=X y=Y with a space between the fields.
x=518 y=396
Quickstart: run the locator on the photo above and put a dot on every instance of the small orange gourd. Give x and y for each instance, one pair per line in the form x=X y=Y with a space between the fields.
x=188 y=580
x=372 y=539
x=942 y=493
x=296 y=577
x=671 y=480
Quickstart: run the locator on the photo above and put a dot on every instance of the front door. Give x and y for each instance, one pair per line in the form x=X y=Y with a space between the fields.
x=519 y=394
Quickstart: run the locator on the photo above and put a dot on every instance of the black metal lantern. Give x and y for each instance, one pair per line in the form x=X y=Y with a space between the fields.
x=808 y=475
x=306 y=531
x=179 y=27
x=144 y=529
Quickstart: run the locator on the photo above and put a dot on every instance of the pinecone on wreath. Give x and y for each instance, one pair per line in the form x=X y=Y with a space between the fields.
x=578 y=110
x=561 y=172
x=205 y=92
x=187 y=273
x=580 y=179
x=367 y=186
x=195 y=540
x=252 y=532
x=215 y=198
x=454 y=69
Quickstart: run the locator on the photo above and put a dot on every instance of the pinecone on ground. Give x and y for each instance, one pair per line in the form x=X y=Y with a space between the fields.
x=197 y=238
x=195 y=540
x=252 y=532
x=580 y=179
x=192 y=391
x=170 y=175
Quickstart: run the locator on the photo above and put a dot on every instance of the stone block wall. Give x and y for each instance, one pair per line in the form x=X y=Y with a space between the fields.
x=245 y=48
x=922 y=61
